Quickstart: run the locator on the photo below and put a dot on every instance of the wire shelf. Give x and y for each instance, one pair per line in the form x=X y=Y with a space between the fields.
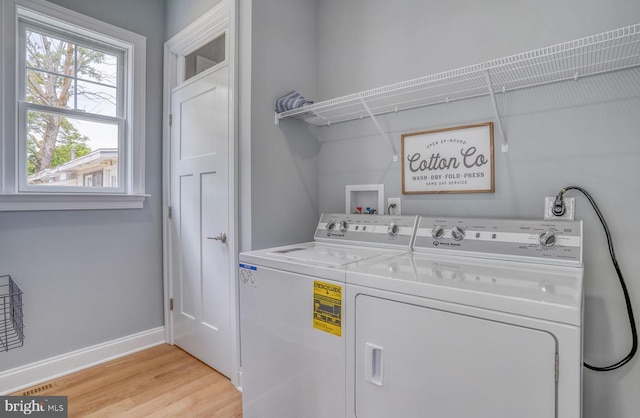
x=11 y=316
x=609 y=51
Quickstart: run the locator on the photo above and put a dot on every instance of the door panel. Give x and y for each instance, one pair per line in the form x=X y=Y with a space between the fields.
x=200 y=204
x=188 y=237
x=194 y=133
x=414 y=361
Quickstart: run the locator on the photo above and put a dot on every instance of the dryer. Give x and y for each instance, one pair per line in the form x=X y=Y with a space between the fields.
x=292 y=308
x=482 y=320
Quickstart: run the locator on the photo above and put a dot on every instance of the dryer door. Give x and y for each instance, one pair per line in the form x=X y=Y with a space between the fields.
x=414 y=361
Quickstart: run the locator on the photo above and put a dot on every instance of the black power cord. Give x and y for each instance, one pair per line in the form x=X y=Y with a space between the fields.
x=558 y=210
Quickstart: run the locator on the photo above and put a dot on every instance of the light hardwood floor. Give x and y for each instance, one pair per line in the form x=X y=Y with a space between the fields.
x=162 y=381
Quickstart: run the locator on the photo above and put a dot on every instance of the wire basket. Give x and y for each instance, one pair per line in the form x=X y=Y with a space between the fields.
x=11 y=317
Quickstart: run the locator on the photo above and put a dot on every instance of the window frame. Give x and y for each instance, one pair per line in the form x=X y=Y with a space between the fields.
x=14 y=193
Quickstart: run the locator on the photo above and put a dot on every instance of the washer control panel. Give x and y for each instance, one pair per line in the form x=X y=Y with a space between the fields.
x=386 y=230
x=548 y=241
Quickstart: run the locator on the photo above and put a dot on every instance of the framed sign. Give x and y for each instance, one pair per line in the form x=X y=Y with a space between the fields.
x=451 y=160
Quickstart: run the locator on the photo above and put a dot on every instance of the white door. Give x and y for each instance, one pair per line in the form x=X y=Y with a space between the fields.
x=199 y=158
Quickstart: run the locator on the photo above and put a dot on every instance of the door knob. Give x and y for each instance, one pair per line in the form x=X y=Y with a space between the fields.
x=222 y=237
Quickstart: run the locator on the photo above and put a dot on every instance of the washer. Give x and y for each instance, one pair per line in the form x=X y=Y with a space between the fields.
x=482 y=320
x=292 y=310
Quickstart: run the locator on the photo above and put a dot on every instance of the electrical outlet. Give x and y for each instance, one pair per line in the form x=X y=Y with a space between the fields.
x=569 y=208
x=394 y=206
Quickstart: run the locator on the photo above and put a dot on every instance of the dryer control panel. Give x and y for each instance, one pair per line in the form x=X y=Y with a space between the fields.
x=554 y=242
x=379 y=230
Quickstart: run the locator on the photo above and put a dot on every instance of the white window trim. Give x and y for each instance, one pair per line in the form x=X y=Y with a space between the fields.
x=135 y=77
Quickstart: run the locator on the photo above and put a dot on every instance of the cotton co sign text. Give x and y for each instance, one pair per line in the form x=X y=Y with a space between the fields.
x=453 y=160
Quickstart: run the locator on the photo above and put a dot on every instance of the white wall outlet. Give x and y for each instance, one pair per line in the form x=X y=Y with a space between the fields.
x=394 y=206
x=569 y=208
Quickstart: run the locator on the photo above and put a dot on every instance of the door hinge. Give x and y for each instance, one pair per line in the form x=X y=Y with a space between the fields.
x=557 y=367
x=171 y=304
x=170 y=212
x=170 y=120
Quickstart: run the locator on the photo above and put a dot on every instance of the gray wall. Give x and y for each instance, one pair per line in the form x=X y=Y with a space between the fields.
x=93 y=276
x=583 y=133
x=181 y=13
x=370 y=43
x=284 y=159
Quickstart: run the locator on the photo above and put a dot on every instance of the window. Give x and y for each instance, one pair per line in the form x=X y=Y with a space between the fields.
x=205 y=57
x=79 y=107
x=71 y=99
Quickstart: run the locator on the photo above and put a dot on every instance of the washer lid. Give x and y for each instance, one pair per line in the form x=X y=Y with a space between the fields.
x=314 y=258
x=325 y=254
x=553 y=293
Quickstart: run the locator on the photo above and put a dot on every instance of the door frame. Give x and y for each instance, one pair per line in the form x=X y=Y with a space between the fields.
x=221 y=18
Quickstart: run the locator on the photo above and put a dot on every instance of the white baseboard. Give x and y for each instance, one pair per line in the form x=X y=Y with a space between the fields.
x=42 y=371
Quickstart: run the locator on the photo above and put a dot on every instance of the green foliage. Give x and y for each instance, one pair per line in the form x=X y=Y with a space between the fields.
x=68 y=138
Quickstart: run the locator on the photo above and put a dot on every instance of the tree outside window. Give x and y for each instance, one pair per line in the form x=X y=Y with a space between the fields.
x=69 y=83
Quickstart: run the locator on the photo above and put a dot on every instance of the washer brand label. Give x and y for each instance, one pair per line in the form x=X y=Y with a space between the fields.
x=327 y=307
x=446 y=244
x=247 y=266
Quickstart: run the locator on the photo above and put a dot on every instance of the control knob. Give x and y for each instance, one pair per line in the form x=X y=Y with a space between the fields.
x=393 y=229
x=437 y=232
x=331 y=225
x=457 y=232
x=547 y=239
x=344 y=226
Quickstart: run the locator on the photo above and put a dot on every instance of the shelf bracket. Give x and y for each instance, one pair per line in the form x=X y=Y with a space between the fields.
x=505 y=146
x=382 y=132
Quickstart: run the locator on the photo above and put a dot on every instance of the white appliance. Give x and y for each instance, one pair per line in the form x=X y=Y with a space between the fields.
x=482 y=320
x=292 y=310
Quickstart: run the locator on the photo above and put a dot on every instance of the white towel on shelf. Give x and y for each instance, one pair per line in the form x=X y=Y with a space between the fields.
x=291 y=100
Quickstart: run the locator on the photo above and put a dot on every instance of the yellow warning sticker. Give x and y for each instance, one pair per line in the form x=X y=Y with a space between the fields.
x=327 y=307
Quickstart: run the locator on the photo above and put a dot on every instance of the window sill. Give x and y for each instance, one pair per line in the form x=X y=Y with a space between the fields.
x=68 y=201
